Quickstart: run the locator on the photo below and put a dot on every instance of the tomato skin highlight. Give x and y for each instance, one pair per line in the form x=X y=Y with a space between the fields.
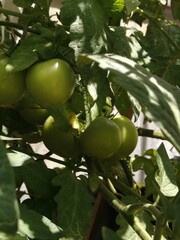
x=51 y=82
x=12 y=85
x=101 y=139
x=129 y=137
x=59 y=142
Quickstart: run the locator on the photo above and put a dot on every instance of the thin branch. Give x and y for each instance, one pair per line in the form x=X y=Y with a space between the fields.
x=121 y=207
x=13 y=13
x=159 y=227
x=144 y=132
x=55 y=160
x=18 y=26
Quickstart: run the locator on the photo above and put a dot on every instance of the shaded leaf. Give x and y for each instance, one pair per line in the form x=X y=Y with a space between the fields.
x=160 y=99
x=86 y=20
x=74 y=205
x=8 y=202
x=28 y=50
x=34 y=225
x=172 y=73
x=175 y=6
x=36 y=175
x=22 y=3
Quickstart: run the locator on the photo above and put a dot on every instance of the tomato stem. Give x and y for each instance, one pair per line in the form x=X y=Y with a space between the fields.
x=151 y=133
x=122 y=208
x=18 y=26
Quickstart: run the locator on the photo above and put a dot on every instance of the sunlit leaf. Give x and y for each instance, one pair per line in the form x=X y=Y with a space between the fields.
x=18 y=159
x=131 y=5
x=165 y=176
x=86 y=20
x=34 y=225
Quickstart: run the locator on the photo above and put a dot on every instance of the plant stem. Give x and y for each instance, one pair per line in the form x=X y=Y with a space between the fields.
x=59 y=161
x=86 y=106
x=133 y=208
x=13 y=13
x=159 y=227
x=122 y=208
x=125 y=189
x=18 y=26
x=127 y=171
x=151 y=133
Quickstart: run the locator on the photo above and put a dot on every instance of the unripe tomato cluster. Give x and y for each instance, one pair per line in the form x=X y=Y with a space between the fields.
x=112 y=139
x=52 y=83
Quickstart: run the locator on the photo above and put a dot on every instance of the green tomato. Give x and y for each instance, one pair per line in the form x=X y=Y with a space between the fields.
x=129 y=137
x=51 y=82
x=32 y=112
x=12 y=85
x=62 y=143
x=101 y=139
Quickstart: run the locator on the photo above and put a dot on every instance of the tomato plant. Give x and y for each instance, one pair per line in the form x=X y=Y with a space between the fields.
x=12 y=85
x=50 y=82
x=84 y=64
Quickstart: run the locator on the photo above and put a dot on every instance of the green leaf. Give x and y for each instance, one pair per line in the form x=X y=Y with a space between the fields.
x=118 y=6
x=10 y=237
x=175 y=7
x=8 y=203
x=37 y=178
x=18 y=159
x=125 y=232
x=108 y=234
x=98 y=87
x=87 y=25
x=35 y=225
x=172 y=73
x=23 y=3
x=74 y=205
x=121 y=99
x=119 y=42
x=160 y=99
x=28 y=50
x=43 y=4
x=131 y=5
x=165 y=177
